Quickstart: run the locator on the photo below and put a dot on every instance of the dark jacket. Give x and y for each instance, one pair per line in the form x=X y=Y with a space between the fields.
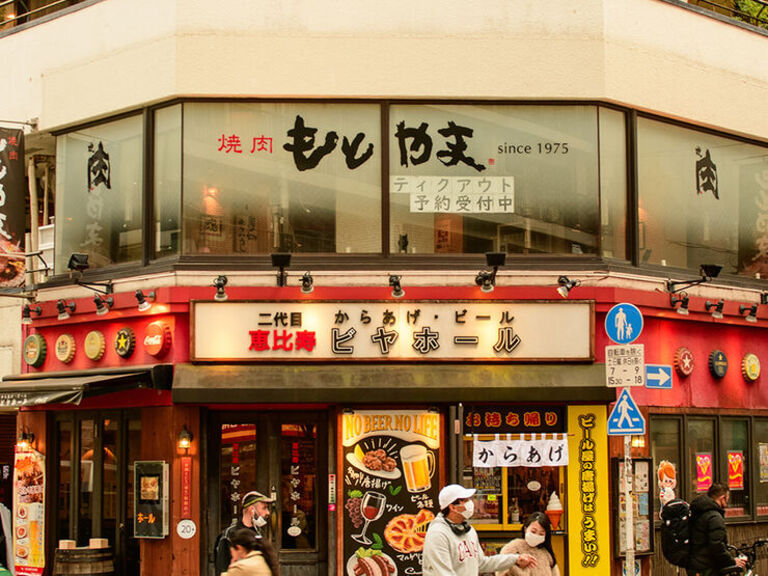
x=221 y=555
x=708 y=537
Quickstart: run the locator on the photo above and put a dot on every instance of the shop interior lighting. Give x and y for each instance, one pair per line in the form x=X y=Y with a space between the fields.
x=144 y=301
x=78 y=262
x=185 y=438
x=717 y=313
x=24 y=441
x=219 y=283
x=397 y=287
x=486 y=279
x=26 y=313
x=707 y=271
x=764 y=298
x=565 y=285
x=65 y=309
x=752 y=316
x=638 y=441
x=682 y=300
x=281 y=260
x=307 y=283
x=103 y=304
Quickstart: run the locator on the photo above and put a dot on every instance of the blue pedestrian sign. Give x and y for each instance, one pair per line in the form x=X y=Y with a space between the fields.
x=658 y=376
x=625 y=418
x=623 y=323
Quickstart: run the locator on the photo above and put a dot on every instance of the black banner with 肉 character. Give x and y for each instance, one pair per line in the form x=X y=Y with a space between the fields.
x=12 y=217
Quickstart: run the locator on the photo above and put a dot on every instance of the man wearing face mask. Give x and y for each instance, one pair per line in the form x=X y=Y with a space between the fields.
x=451 y=546
x=255 y=514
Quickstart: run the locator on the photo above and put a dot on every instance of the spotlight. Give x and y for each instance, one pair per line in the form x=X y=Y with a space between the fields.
x=397 y=288
x=682 y=300
x=707 y=271
x=717 y=313
x=78 y=262
x=752 y=316
x=486 y=279
x=281 y=260
x=185 y=438
x=307 y=283
x=565 y=285
x=65 y=309
x=219 y=284
x=103 y=304
x=26 y=313
x=144 y=304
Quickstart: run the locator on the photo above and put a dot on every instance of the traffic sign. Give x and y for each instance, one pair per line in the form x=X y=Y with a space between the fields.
x=624 y=365
x=624 y=323
x=625 y=418
x=658 y=376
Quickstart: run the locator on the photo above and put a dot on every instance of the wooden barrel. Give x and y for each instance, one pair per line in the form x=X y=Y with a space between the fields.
x=91 y=561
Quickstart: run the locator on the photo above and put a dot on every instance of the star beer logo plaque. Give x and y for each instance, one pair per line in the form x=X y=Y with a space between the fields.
x=684 y=361
x=125 y=342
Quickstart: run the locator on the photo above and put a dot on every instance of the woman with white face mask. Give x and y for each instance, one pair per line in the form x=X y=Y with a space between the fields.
x=536 y=541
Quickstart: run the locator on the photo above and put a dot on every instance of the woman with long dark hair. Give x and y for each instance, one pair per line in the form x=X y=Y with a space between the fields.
x=251 y=556
x=536 y=541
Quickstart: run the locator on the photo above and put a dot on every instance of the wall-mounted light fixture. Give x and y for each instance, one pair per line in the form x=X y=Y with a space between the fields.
x=752 y=316
x=185 y=438
x=103 y=304
x=397 y=287
x=707 y=271
x=307 y=283
x=565 y=285
x=26 y=313
x=78 y=262
x=486 y=279
x=65 y=309
x=219 y=283
x=144 y=301
x=682 y=300
x=717 y=312
x=24 y=441
x=638 y=441
x=281 y=260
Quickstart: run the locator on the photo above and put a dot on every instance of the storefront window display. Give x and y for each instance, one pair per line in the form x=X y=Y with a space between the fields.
x=761 y=458
x=99 y=179
x=702 y=199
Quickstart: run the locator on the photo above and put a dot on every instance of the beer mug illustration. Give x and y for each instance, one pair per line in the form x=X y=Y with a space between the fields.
x=418 y=467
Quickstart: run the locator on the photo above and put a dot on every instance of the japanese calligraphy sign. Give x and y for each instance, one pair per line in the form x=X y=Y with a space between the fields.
x=530 y=453
x=513 y=419
x=589 y=510
x=150 y=499
x=510 y=331
x=12 y=219
x=29 y=513
x=390 y=470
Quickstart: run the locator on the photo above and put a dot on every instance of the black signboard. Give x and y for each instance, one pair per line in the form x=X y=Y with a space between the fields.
x=390 y=487
x=520 y=419
x=12 y=219
x=150 y=496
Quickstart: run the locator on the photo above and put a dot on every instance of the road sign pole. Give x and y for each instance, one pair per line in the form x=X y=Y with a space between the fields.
x=629 y=559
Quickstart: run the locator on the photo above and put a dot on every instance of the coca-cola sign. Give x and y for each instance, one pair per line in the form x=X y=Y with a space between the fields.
x=157 y=339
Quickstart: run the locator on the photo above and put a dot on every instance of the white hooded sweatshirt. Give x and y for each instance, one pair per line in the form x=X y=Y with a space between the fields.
x=448 y=554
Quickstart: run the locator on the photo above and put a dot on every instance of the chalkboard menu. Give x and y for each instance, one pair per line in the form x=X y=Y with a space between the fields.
x=390 y=487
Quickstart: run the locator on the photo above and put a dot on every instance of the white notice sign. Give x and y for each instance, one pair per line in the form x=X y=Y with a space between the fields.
x=625 y=365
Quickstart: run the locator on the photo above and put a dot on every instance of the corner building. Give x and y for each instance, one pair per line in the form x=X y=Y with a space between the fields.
x=294 y=218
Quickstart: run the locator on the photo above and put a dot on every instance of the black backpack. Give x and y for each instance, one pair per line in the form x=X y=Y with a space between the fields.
x=676 y=532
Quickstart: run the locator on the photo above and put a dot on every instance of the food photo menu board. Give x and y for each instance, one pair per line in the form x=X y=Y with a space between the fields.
x=29 y=512
x=390 y=461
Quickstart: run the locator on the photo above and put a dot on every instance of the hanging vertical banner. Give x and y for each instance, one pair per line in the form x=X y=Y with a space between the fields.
x=29 y=513
x=588 y=514
x=390 y=486
x=12 y=217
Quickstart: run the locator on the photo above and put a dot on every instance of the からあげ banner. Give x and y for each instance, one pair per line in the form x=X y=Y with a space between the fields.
x=390 y=471
x=12 y=219
x=29 y=513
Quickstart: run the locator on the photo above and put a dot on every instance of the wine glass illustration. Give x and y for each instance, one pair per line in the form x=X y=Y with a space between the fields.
x=371 y=507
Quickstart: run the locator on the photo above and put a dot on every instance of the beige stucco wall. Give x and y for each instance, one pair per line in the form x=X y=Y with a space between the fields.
x=120 y=54
x=10 y=335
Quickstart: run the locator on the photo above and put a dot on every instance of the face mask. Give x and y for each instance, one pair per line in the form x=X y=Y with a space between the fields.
x=469 y=509
x=260 y=522
x=534 y=540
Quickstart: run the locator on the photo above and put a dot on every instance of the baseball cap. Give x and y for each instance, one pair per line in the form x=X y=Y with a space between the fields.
x=453 y=492
x=252 y=497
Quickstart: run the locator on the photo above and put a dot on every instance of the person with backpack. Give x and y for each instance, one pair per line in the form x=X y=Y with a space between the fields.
x=709 y=555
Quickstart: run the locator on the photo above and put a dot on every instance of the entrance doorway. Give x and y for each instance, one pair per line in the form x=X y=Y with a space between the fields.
x=285 y=456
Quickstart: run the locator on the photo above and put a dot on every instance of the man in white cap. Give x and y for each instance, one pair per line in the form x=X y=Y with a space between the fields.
x=255 y=514
x=451 y=546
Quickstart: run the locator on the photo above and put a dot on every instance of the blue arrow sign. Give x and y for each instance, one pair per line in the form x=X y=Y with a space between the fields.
x=623 y=323
x=658 y=376
x=625 y=418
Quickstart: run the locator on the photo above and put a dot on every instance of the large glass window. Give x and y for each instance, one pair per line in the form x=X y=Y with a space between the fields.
x=735 y=459
x=665 y=451
x=613 y=183
x=281 y=177
x=702 y=200
x=99 y=194
x=298 y=483
x=167 y=188
x=702 y=460
x=473 y=179
x=761 y=458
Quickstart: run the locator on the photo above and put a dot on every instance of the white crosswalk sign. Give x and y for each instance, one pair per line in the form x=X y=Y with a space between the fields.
x=625 y=418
